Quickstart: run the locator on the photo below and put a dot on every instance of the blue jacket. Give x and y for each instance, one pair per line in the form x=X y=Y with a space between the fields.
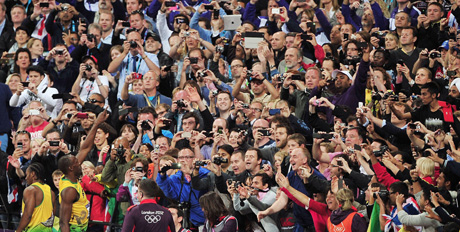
x=302 y=216
x=139 y=100
x=204 y=33
x=171 y=186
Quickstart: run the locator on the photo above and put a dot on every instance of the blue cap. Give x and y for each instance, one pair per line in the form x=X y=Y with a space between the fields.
x=445 y=45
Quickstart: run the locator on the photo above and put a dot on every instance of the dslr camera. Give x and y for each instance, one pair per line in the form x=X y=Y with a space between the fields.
x=120 y=153
x=90 y=37
x=200 y=163
x=133 y=44
x=382 y=151
x=145 y=125
x=180 y=103
x=220 y=160
x=88 y=67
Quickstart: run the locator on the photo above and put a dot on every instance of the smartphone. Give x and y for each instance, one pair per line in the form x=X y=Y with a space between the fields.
x=216 y=14
x=9 y=55
x=19 y=145
x=310 y=24
x=208 y=7
x=167 y=122
x=305 y=36
x=412 y=126
x=186 y=135
x=340 y=184
x=4 y=61
x=265 y=132
x=25 y=84
x=170 y=4
x=357 y=147
x=54 y=143
x=274 y=111
x=82 y=21
x=360 y=105
x=126 y=24
x=346 y=36
x=82 y=115
x=34 y=112
x=44 y=4
x=157 y=148
x=276 y=11
x=451 y=73
x=175 y=166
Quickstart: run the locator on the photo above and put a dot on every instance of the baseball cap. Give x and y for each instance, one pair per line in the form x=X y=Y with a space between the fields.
x=335 y=72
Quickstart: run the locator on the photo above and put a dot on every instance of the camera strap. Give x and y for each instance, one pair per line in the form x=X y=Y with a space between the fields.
x=149 y=103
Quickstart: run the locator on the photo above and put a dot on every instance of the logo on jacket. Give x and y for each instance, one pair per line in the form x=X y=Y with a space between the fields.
x=152 y=218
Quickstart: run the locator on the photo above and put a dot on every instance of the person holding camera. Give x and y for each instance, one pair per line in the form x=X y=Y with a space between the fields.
x=49 y=154
x=61 y=68
x=134 y=59
x=116 y=167
x=130 y=189
x=38 y=89
x=91 y=45
x=179 y=186
x=89 y=82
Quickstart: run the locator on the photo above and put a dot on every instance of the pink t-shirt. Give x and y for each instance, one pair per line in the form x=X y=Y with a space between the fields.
x=36 y=132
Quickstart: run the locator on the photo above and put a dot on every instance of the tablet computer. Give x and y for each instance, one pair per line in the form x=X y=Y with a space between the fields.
x=231 y=22
x=252 y=39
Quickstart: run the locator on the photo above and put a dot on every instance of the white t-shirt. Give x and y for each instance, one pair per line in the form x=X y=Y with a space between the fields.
x=88 y=87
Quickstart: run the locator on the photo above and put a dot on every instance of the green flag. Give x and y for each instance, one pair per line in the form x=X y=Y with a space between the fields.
x=374 y=222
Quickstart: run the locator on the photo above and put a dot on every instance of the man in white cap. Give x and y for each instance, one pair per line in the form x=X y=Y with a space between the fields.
x=347 y=92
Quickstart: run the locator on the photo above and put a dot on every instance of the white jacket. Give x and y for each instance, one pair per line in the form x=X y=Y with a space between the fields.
x=44 y=95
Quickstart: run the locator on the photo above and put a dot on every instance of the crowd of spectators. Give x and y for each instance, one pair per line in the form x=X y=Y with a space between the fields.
x=241 y=115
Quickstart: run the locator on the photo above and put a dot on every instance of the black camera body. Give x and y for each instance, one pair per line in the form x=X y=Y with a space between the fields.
x=202 y=74
x=133 y=44
x=145 y=125
x=248 y=73
x=382 y=151
x=121 y=153
x=384 y=194
x=435 y=55
x=90 y=37
x=60 y=52
x=220 y=160
x=353 y=61
x=180 y=103
x=200 y=163
x=88 y=67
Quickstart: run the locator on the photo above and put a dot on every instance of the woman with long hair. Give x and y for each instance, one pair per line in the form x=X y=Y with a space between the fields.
x=217 y=216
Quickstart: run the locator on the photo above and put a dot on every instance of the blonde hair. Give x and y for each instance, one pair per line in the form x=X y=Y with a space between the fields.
x=8 y=79
x=282 y=154
x=425 y=166
x=394 y=37
x=88 y=164
x=345 y=198
x=31 y=41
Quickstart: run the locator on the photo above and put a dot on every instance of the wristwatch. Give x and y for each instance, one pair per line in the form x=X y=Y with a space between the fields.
x=411 y=83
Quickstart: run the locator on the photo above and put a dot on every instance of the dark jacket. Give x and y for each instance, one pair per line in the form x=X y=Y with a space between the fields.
x=49 y=162
x=7 y=37
x=102 y=54
x=64 y=79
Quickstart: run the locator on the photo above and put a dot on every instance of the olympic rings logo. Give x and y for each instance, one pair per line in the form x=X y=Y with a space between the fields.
x=152 y=218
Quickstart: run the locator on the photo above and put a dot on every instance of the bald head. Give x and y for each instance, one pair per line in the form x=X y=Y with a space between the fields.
x=278 y=40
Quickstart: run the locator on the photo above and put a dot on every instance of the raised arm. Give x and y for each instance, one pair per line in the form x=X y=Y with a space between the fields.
x=89 y=141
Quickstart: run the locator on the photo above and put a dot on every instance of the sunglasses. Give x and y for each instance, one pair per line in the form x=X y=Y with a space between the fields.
x=94 y=101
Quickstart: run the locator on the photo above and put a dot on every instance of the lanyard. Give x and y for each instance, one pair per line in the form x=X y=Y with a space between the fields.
x=28 y=4
x=149 y=102
x=134 y=68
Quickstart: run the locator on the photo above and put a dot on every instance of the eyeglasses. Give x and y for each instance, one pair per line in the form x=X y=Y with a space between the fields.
x=256 y=109
x=236 y=66
x=74 y=39
x=185 y=157
x=94 y=101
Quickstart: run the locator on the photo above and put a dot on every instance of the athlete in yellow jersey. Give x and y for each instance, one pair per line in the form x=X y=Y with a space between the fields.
x=73 y=213
x=38 y=202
